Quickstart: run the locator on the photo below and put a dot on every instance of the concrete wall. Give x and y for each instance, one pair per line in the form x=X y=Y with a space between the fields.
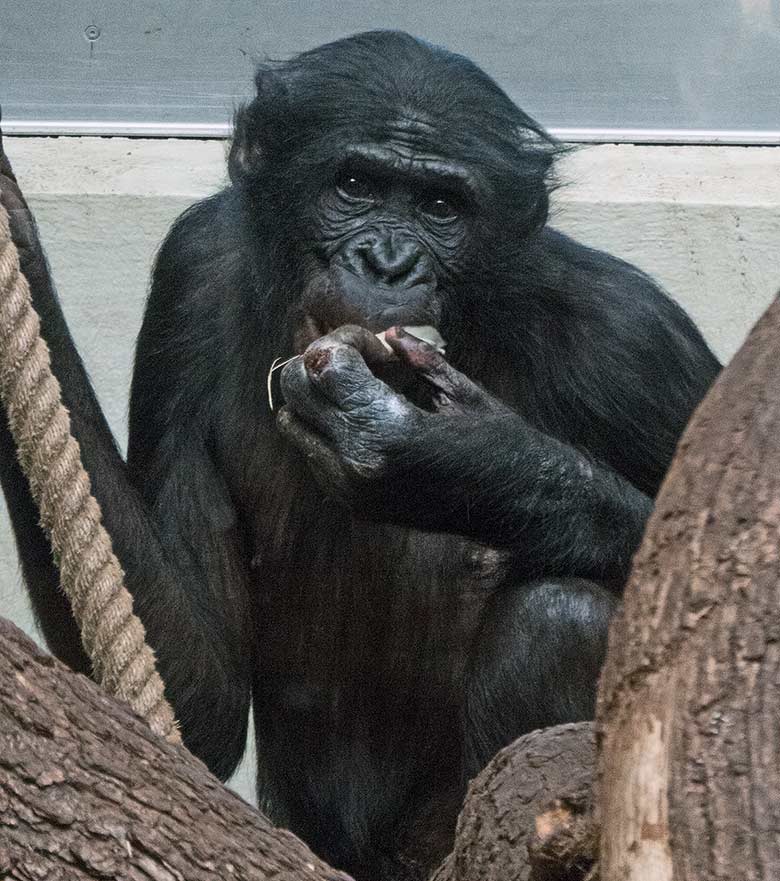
x=705 y=221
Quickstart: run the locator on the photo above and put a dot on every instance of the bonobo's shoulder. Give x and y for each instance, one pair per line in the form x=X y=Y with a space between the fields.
x=204 y=226
x=607 y=297
x=600 y=284
x=568 y=262
x=198 y=258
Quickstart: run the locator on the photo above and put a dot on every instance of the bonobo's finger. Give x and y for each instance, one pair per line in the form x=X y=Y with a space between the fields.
x=303 y=398
x=336 y=366
x=372 y=350
x=297 y=389
x=5 y=162
x=453 y=387
x=324 y=464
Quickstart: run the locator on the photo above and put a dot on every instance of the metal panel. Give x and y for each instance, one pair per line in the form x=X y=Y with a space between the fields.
x=593 y=70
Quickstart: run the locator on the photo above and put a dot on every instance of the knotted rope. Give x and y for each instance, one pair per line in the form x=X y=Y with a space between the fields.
x=90 y=574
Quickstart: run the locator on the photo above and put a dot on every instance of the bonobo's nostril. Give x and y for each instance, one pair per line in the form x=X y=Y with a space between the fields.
x=390 y=260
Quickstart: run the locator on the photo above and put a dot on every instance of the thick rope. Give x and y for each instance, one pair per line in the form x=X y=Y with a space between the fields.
x=90 y=574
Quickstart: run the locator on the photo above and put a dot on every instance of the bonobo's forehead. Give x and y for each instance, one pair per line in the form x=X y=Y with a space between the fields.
x=411 y=127
x=408 y=159
x=440 y=141
x=408 y=139
x=407 y=131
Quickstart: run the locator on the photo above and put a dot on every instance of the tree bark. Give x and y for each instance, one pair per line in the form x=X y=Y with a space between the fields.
x=689 y=704
x=535 y=792
x=87 y=791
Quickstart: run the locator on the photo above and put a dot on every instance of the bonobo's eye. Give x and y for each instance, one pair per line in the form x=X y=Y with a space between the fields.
x=440 y=207
x=355 y=187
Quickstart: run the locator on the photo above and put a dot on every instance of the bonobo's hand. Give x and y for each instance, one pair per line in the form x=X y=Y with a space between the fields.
x=24 y=231
x=368 y=444
x=5 y=164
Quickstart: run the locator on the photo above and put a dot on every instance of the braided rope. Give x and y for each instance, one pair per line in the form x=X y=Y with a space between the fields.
x=113 y=637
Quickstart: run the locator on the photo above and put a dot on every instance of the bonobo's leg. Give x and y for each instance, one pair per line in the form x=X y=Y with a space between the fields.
x=535 y=662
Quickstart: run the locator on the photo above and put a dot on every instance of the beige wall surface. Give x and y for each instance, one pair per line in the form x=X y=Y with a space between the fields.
x=705 y=221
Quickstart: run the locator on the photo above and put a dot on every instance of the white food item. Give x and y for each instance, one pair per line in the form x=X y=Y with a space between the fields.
x=425 y=332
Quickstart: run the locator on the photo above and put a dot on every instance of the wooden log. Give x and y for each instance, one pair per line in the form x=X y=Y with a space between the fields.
x=88 y=792
x=689 y=703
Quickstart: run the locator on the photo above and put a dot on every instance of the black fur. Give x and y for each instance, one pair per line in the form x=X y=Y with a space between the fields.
x=391 y=639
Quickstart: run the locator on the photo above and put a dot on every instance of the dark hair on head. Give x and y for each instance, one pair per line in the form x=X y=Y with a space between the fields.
x=357 y=85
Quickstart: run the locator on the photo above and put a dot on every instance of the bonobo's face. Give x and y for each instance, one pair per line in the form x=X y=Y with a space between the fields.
x=389 y=230
x=390 y=182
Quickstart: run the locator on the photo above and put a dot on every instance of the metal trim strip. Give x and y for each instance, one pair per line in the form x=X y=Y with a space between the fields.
x=151 y=129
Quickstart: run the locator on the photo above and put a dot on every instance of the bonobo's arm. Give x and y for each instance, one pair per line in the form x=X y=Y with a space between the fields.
x=181 y=560
x=471 y=466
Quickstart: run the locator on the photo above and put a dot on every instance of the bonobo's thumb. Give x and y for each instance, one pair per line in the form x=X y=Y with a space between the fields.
x=428 y=363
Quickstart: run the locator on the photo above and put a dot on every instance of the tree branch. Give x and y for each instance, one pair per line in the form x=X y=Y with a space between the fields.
x=87 y=791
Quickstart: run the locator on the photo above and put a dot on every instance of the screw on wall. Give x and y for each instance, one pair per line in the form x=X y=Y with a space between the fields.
x=92 y=34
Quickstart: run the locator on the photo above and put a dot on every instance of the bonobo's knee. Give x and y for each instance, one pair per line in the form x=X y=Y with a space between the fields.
x=537 y=662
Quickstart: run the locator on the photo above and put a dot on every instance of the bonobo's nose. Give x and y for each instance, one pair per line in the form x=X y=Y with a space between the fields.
x=389 y=260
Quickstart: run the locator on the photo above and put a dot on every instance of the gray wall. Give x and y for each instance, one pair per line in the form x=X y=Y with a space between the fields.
x=603 y=69
x=704 y=220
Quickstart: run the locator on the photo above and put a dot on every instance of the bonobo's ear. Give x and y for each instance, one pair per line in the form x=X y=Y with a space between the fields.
x=245 y=150
x=538 y=211
x=538 y=199
x=539 y=153
x=257 y=123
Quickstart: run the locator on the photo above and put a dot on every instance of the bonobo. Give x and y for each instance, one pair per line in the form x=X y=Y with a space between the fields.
x=415 y=560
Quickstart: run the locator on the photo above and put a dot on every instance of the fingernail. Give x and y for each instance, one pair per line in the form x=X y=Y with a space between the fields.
x=317 y=360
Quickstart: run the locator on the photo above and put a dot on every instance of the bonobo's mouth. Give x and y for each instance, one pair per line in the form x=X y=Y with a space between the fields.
x=311 y=330
x=338 y=296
